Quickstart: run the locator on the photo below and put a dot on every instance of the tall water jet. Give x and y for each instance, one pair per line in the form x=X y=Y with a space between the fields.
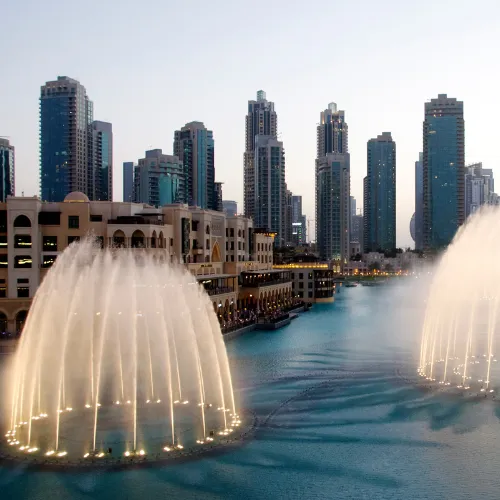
x=122 y=356
x=461 y=320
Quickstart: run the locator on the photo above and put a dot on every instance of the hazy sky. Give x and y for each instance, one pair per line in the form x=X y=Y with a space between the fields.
x=154 y=65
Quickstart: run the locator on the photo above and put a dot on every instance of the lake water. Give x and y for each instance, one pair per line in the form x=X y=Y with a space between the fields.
x=337 y=420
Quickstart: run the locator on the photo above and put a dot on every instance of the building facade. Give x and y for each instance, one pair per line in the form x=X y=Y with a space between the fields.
x=7 y=170
x=419 y=203
x=218 y=205
x=159 y=179
x=65 y=115
x=230 y=208
x=443 y=171
x=332 y=186
x=333 y=210
x=261 y=120
x=299 y=230
x=100 y=156
x=270 y=187
x=194 y=146
x=479 y=188
x=380 y=208
x=128 y=181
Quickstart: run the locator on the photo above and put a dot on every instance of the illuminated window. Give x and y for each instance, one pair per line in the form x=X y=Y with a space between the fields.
x=49 y=244
x=22 y=261
x=22 y=241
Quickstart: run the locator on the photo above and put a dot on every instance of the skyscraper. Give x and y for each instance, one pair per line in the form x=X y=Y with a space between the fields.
x=128 y=181
x=230 y=208
x=288 y=217
x=158 y=179
x=444 y=196
x=299 y=235
x=333 y=209
x=419 y=202
x=100 y=157
x=261 y=120
x=65 y=115
x=194 y=146
x=479 y=187
x=7 y=170
x=218 y=197
x=270 y=189
x=380 y=207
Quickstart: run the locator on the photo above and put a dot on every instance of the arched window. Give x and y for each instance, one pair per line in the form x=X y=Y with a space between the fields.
x=21 y=320
x=153 y=240
x=119 y=239
x=207 y=229
x=22 y=221
x=137 y=240
x=3 y=322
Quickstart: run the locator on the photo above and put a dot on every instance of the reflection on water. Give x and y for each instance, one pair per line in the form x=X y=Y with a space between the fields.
x=337 y=420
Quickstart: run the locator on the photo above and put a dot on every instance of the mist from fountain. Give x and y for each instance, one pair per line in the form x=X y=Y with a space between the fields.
x=461 y=325
x=119 y=349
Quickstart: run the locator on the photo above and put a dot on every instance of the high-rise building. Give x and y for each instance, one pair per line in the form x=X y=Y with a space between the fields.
x=419 y=203
x=128 y=181
x=230 y=208
x=7 y=170
x=479 y=187
x=194 y=146
x=299 y=233
x=380 y=207
x=218 y=206
x=288 y=217
x=269 y=206
x=357 y=230
x=261 y=120
x=100 y=157
x=158 y=179
x=353 y=205
x=65 y=115
x=443 y=155
x=333 y=210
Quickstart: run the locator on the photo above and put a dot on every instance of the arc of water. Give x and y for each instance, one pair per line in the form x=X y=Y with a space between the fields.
x=469 y=339
x=491 y=334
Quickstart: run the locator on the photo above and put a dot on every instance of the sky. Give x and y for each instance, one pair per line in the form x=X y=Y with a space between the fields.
x=152 y=66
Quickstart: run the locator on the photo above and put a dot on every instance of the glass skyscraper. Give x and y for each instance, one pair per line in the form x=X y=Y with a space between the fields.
x=419 y=203
x=333 y=186
x=380 y=198
x=128 y=181
x=194 y=146
x=443 y=171
x=7 y=170
x=100 y=172
x=65 y=115
x=261 y=120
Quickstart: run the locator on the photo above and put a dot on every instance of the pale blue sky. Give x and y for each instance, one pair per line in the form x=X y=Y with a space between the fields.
x=152 y=66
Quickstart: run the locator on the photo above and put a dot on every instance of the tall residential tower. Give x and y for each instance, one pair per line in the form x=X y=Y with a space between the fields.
x=7 y=170
x=380 y=197
x=443 y=171
x=419 y=203
x=333 y=210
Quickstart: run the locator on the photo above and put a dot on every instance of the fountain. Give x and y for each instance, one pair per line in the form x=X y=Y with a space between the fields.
x=461 y=323
x=121 y=358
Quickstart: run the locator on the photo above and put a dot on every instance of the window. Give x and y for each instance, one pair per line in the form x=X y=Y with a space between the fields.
x=231 y=232
x=232 y=245
x=99 y=240
x=171 y=242
x=3 y=291
x=194 y=225
x=3 y=241
x=310 y=276
x=95 y=218
x=3 y=260
x=239 y=245
x=301 y=295
x=207 y=230
x=23 y=281
x=48 y=260
x=207 y=244
x=310 y=295
x=23 y=292
x=49 y=244
x=73 y=221
x=22 y=241
x=49 y=218
x=227 y=246
x=22 y=221
x=3 y=221
x=227 y=232
x=310 y=285
x=71 y=239
x=22 y=261
x=301 y=285
x=293 y=275
x=301 y=276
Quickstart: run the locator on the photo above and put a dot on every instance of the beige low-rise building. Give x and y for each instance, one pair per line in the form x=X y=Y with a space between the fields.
x=215 y=248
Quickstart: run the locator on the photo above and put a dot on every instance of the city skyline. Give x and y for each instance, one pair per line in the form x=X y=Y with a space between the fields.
x=150 y=116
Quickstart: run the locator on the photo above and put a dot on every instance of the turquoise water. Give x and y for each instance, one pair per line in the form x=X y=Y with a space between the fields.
x=337 y=420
